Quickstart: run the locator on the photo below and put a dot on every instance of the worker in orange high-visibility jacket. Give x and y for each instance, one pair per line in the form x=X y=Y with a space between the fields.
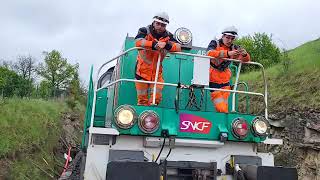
x=220 y=73
x=157 y=40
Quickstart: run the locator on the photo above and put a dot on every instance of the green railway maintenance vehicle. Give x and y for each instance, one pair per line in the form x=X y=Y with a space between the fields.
x=182 y=138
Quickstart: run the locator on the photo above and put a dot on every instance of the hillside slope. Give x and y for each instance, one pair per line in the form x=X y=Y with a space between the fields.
x=294 y=108
x=298 y=86
x=30 y=133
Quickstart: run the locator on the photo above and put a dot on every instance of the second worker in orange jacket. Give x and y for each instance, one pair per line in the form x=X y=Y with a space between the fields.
x=220 y=73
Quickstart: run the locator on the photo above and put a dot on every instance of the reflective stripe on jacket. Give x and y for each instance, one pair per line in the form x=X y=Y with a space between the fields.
x=219 y=71
x=147 y=59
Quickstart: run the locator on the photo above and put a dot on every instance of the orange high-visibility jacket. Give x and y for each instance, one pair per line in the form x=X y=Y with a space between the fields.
x=147 y=59
x=220 y=73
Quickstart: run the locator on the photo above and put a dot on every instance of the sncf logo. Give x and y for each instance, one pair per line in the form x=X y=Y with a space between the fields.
x=194 y=124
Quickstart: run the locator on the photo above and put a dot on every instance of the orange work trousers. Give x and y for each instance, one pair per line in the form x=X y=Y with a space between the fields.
x=220 y=99
x=144 y=88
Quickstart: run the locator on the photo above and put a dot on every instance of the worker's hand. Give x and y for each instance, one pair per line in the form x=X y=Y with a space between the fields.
x=233 y=53
x=160 y=45
x=243 y=52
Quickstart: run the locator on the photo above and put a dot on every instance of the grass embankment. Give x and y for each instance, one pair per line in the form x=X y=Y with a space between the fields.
x=30 y=129
x=298 y=86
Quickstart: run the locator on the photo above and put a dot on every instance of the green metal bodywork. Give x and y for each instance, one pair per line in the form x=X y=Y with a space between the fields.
x=176 y=68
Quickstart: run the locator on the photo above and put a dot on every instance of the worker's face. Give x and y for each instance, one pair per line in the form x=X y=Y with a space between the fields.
x=228 y=40
x=159 y=27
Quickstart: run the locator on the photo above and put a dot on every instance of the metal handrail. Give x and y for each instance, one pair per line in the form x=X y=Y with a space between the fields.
x=175 y=85
x=247 y=97
x=95 y=87
x=95 y=84
x=235 y=87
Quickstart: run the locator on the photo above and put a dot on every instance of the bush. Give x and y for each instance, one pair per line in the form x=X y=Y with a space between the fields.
x=12 y=84
x=261 y=49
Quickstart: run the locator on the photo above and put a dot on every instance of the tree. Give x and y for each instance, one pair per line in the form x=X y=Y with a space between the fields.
x=2 y=82
x=13 y=84
x=25 y=66
x=6 y=64
x=74 y=88
x=285 y=60
x=76 y=93
x=57 y=71
x=261 y=49
x=44 y=89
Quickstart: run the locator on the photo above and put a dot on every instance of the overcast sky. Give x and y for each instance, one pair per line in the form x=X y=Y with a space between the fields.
x=90 y=32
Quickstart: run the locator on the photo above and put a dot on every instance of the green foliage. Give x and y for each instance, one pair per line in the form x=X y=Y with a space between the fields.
x=74 y=87
x=13 y=84
x=57 y=71
x=44 y=89
x=306 y=57
x=76 y=94
x=26 y=123
x=298 y=86
x=31 y=129
x=286 y=61
x=261 y=49
x=60 y=78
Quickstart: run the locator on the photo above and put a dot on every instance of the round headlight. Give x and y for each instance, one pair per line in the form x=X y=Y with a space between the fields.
x=149 y=122
x=125 y=116
x=240 y=128
x=183 y=35
x=260 y=126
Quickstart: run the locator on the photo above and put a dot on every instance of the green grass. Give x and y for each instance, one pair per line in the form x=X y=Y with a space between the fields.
x=29 y=131
x=299 y=86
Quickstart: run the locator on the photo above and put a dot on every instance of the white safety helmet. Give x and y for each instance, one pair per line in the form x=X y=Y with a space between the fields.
x=161 y=17
x=231 y=30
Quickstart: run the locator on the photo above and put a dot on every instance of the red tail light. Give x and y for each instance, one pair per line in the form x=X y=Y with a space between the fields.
x=149 y=122
x=240 y=128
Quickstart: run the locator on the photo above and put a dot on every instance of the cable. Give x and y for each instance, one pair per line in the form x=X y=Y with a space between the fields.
x=66 y=165
x=168 y=154
x=164 y=141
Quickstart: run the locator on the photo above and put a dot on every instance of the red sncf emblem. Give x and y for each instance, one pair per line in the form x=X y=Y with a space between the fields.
x=194 y=124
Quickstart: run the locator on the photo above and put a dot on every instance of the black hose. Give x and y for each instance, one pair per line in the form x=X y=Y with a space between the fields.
x=164 y=141
x=168 y=154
